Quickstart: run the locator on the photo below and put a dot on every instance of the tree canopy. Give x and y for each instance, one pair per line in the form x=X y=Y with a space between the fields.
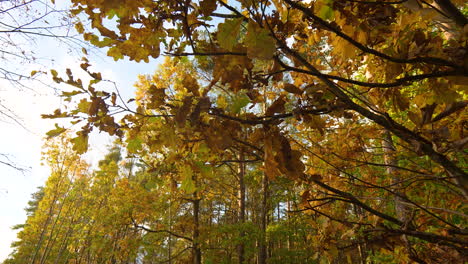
x=278 y=131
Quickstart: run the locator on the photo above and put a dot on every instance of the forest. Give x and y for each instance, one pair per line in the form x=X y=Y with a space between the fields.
x=273 y=131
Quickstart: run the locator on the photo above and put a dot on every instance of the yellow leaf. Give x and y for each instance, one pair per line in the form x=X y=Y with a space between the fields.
x=221 y=102
x=54 y=73
x=188 y=185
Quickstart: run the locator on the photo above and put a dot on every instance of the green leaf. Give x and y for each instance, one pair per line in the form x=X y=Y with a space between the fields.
x=228 y=33
x=187 y=182
x=240 y=102
x=206 y=170
x=150 y=185
x=154 y=119
x=134 y=145
x=111 y=13
x=72 y=93
x=80 y=144
x=83 y=106
x=326 y=12
x=55 y=132
x=260 y=44
x=115 y=53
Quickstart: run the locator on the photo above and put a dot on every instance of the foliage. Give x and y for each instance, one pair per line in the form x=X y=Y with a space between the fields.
x=308 y=132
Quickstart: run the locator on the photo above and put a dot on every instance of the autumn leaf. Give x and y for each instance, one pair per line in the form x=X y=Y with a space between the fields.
x=134 y=145
x=316 y=122
x=260 y=45
x=415 y=118
x=84 y=105
x=191 y=84
x=188 y=185
x=326 y=12
x=55 y=132
x=54 y=73
x=291 y=88
x=157 y=97
x=113 y=99
x=202 y=106
x=79 y=27
x=276 y=107
x=240 y=102
x=207 y=7
x=183 y=111
x=80 y=143
x=228 y=32
x=57 y=114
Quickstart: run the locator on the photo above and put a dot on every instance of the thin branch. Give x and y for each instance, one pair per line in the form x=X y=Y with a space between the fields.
x=452 y=108
x=262 y=120
x=398 y=82
x=352 y=199
x=378 y=2
x=184 y=54
x=225 y=15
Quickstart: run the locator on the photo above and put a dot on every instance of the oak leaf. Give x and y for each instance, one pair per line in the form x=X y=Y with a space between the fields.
x=228 y=32
x=276 y=107
x=80 y=143
x=291 y=88
x=207 y=7
x=55 y=132
x=260 y=45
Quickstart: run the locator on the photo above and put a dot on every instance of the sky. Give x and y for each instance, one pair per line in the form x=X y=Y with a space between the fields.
x=23 y=144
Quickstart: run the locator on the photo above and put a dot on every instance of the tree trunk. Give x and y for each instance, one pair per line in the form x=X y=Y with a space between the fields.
x=241 y=201
x=196 y=251
x=262 y=247
x=402 y=211
x=170 y=229
x=390 y=160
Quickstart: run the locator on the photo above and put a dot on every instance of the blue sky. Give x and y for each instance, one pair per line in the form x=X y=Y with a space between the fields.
x=23 y=145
